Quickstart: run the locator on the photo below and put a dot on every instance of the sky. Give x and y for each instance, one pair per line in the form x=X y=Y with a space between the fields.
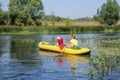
x=68 y=8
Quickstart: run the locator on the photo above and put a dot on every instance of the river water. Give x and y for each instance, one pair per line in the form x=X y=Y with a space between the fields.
x=21 y=59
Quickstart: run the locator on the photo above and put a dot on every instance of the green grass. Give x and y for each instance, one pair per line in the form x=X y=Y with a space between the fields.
x=58 y=30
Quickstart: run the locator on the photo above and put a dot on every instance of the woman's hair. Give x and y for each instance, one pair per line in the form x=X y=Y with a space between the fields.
x=73 y=35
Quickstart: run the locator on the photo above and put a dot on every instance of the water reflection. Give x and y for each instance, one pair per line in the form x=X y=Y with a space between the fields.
x=4 y=44
x=72 y=60
x=75 y=60
x=57 y=57
x=22 y=50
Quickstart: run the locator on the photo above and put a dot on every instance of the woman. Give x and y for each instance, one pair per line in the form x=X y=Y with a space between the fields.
x=73 y=42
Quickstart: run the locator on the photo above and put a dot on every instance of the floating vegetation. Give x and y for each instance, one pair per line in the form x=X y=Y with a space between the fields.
x=106 y=60
x=104 y=65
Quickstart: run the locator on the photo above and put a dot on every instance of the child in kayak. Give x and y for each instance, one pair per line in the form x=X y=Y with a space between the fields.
x=73 y=42
x=59 y=42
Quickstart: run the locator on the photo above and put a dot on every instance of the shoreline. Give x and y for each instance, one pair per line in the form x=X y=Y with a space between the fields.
x=58 y=29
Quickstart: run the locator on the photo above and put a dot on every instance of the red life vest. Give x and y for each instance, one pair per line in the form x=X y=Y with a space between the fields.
x=59 y=41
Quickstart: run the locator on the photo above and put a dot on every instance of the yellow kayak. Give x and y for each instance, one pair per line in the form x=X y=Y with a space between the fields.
x=55 y=48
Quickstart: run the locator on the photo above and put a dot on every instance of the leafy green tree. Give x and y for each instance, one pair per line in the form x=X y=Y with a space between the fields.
x=38 y=22
x=6 y=18
x=3 y=16
x=30 y=21
x=25 y=12
x=52 y=19
x=109 y=12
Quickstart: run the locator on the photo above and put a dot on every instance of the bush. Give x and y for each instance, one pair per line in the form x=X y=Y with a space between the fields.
x=38 y=22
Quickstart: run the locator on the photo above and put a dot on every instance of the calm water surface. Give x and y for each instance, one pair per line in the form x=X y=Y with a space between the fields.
x=21 y=59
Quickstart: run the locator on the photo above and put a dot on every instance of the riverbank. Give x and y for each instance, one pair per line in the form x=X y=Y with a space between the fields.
x=58 y=29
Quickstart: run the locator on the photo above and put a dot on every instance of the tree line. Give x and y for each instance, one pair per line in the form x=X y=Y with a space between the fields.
x=31 y=12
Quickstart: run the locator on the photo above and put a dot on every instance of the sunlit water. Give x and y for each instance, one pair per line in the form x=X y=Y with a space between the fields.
x=21 y=59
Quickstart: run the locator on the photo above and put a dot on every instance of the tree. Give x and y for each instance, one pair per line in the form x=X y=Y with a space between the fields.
x=4 y=18
x=52 y=18
x=1 y=16
x=109 y=12
x=22 y=12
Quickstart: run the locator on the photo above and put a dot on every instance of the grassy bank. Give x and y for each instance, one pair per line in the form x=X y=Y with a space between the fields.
x=58 y=29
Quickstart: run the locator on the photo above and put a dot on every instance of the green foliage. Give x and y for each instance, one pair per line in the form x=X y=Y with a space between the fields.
x=4 y=18
x=19 y=22
x=58 y=30
x=52 y=19
x=25 y=12
x=49 y=17
x=30 y=21
x=68 y=22
x=22 y=18
x=109 y=12
x=1 y=16
x=84 y=19
x=38 y=22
